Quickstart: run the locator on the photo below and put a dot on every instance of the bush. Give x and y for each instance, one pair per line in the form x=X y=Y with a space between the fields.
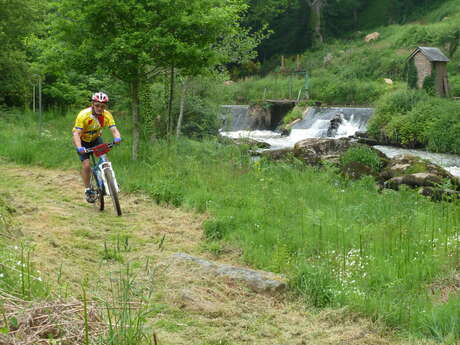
x=391 y=105
x=364 y=155
x=444 y=133
x=216 y=229
x=412 y=118
x=167 y=192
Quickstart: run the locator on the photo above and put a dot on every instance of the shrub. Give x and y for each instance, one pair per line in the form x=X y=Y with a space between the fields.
x=362 y=154
x=391 y=105
x=335 y=90
x=412 y=118
x=215 y=229
x=444 y=132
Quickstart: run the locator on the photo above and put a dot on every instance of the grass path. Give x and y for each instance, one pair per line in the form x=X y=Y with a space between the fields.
x=73 y=241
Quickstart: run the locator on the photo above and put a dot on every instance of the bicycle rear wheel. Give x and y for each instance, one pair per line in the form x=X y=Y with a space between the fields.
x=113 y=190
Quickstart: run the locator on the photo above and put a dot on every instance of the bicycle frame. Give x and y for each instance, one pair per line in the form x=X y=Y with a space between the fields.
x=99 y=170
x=101 y=166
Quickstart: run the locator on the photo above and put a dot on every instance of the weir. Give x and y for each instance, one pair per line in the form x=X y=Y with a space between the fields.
x=317 y=122
x=235 y=117
x=334 y=122
x=266 y=116
x=322 y=122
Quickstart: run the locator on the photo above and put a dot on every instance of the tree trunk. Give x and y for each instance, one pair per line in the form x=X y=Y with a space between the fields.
x=316 y=7
x=170 y=103
x=316 y=16
x=135 y=114
x=181 y=111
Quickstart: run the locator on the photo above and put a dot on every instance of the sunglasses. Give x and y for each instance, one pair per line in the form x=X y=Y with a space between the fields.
x=99 y=105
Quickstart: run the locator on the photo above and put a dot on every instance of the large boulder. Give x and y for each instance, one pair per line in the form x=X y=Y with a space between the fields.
x=439 y=194
x=409 y=164
x=334 y=125
x=315 y=150
x=277 y=154
x=252 y=143
x=414 y=180
x=415 y=172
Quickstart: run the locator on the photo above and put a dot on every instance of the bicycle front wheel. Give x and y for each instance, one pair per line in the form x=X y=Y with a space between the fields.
x=113 y=190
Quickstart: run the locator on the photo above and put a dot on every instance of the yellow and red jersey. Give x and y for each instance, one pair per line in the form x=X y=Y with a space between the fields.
x=91 y=125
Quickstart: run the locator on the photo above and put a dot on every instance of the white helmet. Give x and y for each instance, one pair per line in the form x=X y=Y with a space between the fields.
x=100 y=97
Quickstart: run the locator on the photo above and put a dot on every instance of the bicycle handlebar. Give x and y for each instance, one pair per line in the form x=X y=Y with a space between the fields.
x=101 y=149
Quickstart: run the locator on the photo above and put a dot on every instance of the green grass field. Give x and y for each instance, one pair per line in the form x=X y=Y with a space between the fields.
x=392 y=256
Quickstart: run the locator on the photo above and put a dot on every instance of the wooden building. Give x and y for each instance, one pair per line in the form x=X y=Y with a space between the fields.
x=429 y=65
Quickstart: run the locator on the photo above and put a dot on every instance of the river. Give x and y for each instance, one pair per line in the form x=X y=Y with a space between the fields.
x=317 y=124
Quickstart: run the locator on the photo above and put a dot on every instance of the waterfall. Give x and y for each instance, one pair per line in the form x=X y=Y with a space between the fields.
x=317 y=122
x=334 y=122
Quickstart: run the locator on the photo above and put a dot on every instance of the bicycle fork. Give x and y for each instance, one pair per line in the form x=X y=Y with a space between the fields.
x=102 y=167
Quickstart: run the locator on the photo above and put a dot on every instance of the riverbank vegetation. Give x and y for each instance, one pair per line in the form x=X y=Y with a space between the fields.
x=415 y=119
x=391 y=256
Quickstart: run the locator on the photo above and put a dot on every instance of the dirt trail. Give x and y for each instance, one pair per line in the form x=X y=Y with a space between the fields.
x=72 y=240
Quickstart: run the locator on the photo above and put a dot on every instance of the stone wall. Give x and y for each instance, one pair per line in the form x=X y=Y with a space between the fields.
x=424 y=68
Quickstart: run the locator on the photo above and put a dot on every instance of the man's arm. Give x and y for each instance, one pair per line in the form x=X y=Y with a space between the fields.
x=115 y=132
x=76 y=137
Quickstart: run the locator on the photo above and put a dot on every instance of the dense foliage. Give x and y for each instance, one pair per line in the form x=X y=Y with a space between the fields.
x=32 y=38
x=363 y=155
x=414 y=119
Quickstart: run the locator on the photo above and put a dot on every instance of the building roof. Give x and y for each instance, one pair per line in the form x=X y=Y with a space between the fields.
x=433 y=54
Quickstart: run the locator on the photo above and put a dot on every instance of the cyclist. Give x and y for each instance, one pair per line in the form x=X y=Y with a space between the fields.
x=87 y=133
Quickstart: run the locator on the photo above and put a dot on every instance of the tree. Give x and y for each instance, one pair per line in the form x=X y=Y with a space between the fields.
x=316 y=8
x=17 y=19
x=342 y=16
x=135 y=40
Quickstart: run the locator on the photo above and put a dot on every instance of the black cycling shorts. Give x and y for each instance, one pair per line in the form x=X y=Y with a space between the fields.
x=88 y=145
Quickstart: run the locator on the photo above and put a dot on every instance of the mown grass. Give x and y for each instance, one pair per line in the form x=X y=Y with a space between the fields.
x=392 y=256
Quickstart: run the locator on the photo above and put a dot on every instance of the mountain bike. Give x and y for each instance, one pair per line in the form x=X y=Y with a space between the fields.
x=102 y=179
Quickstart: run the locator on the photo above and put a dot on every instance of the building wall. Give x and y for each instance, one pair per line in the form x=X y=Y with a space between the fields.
x=424 y=68
x=441 y=83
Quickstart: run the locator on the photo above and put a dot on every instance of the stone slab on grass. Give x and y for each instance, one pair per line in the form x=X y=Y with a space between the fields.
x=259 y=281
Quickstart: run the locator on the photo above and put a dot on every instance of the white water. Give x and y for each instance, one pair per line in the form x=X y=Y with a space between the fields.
x=448 y=161
x=318 y=129
x=316 y=123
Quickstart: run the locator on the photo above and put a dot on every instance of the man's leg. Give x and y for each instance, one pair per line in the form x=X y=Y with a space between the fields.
x=86 y=172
